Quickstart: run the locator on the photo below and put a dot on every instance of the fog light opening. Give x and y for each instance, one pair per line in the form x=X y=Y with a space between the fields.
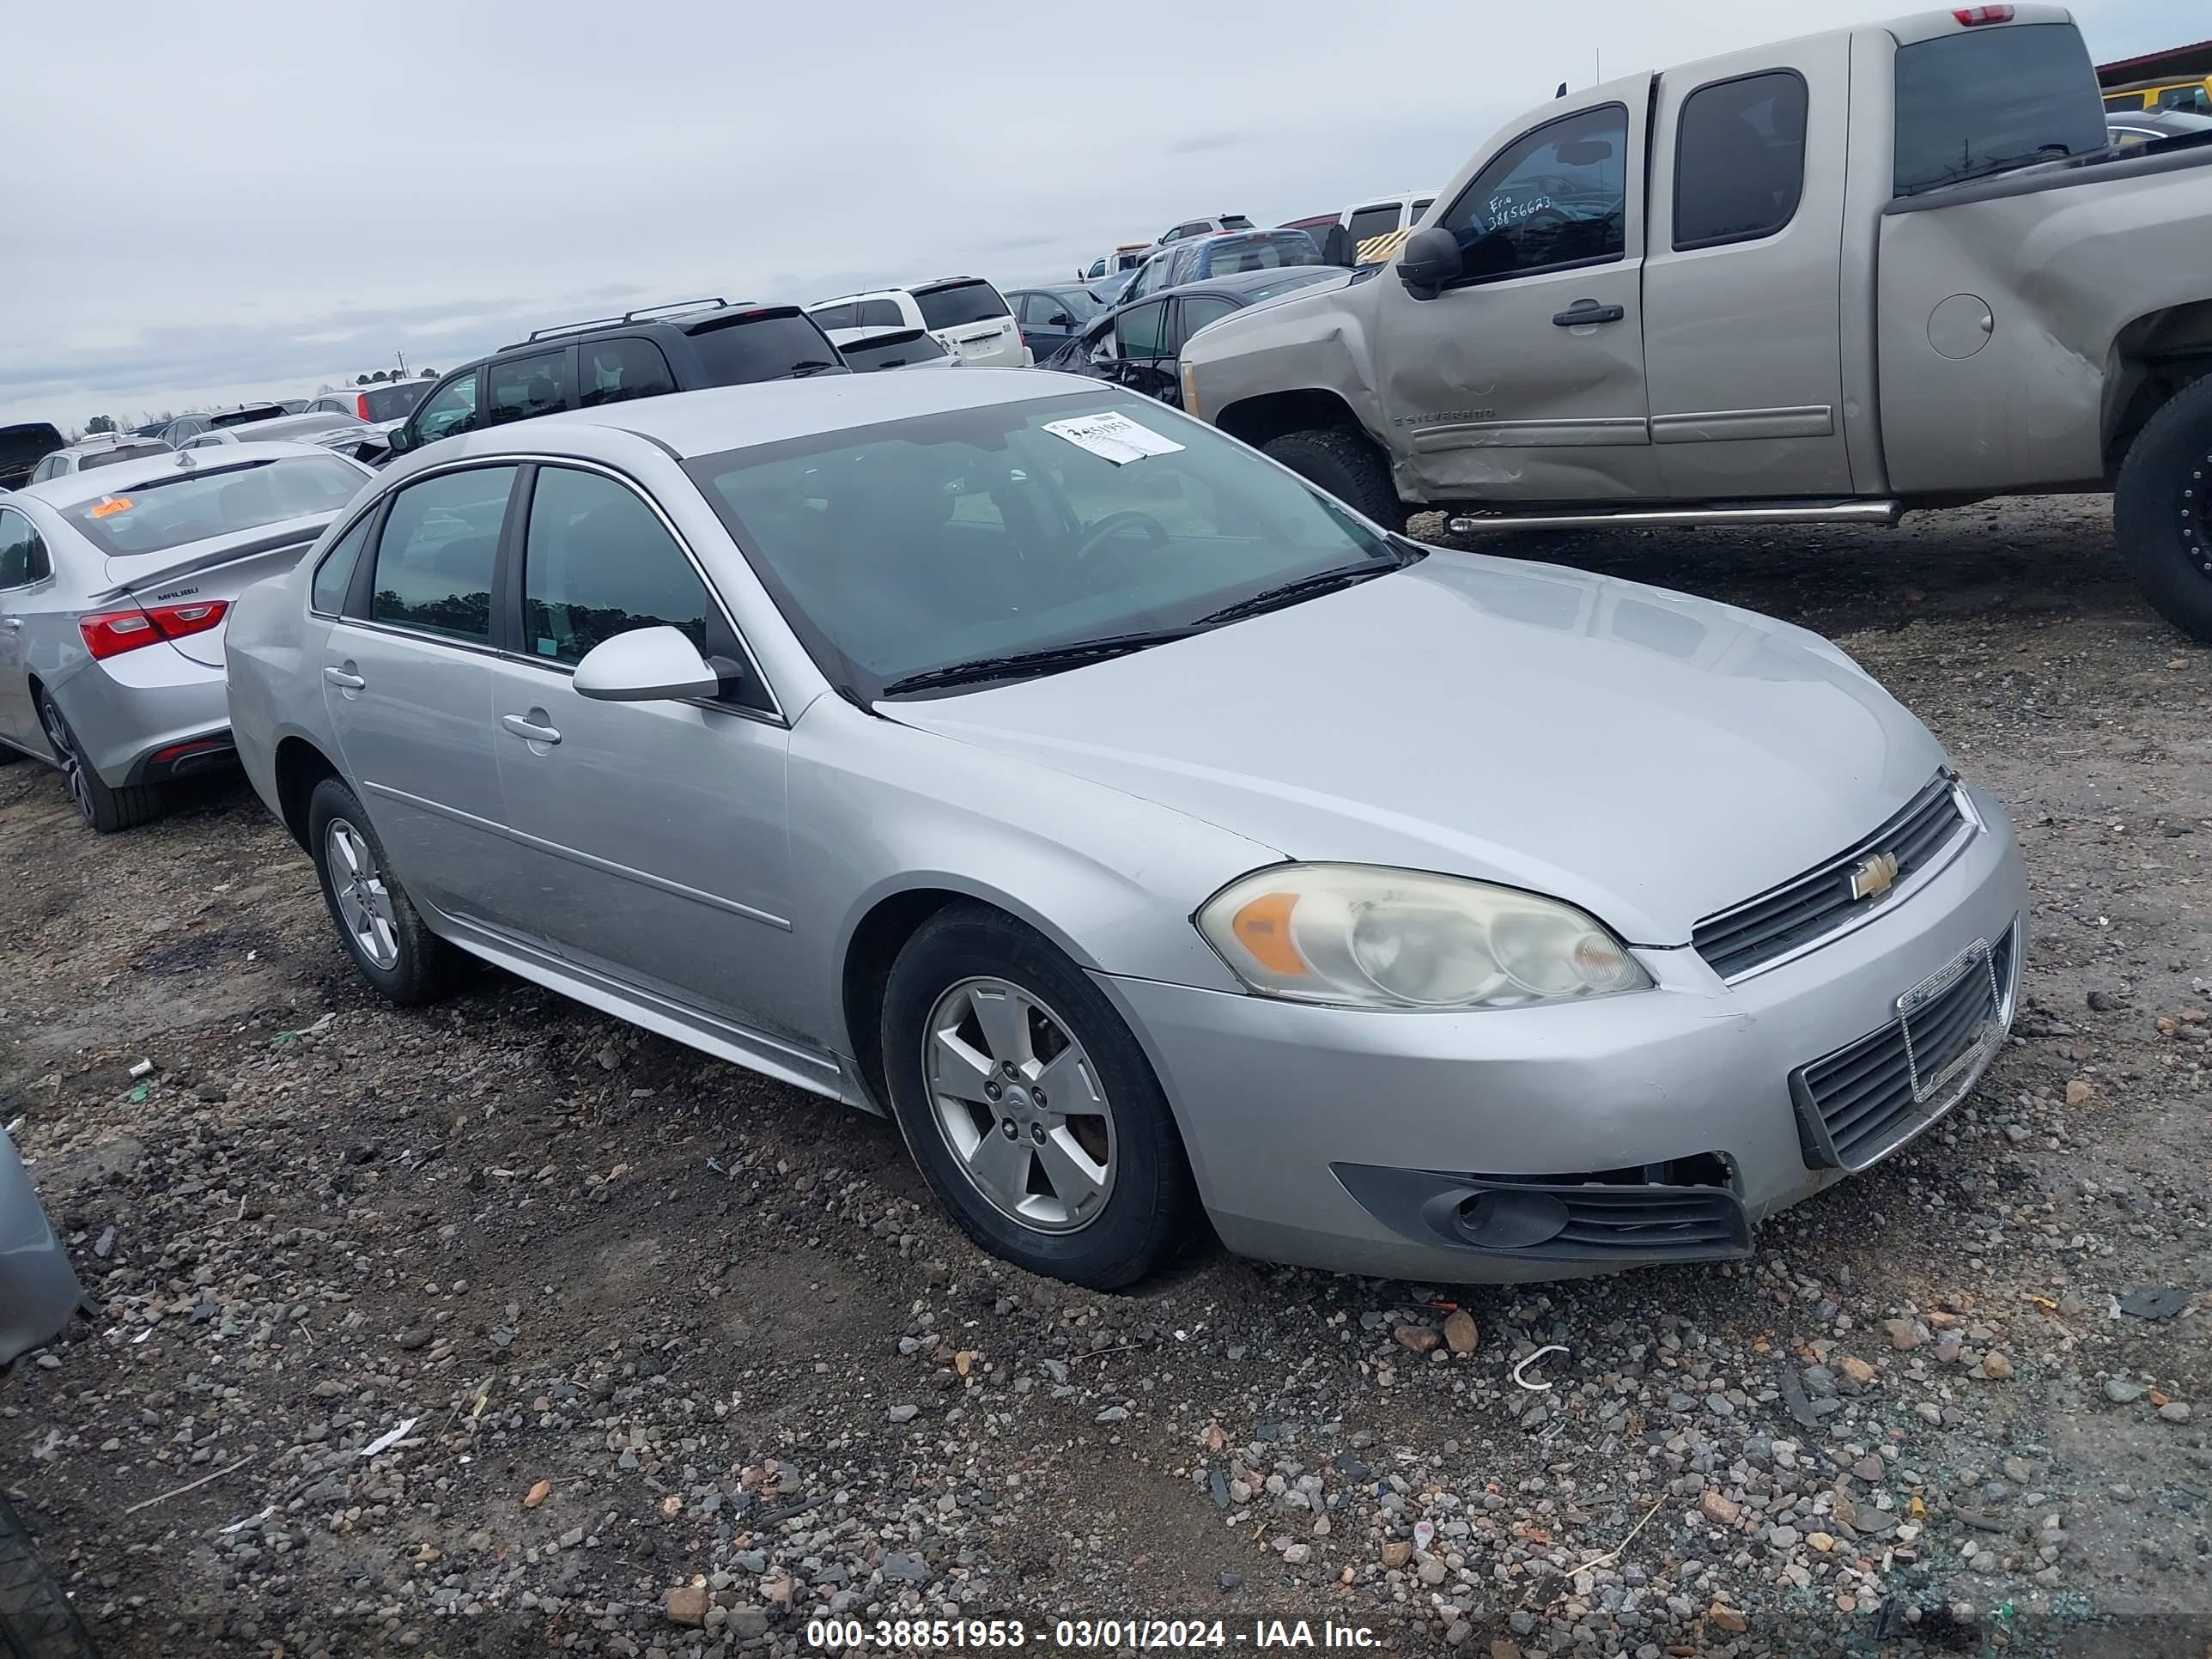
x=1509 y=1220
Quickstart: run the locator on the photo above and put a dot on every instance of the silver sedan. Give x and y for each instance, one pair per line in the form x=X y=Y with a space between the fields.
x=115 y=586
x=1157 y=839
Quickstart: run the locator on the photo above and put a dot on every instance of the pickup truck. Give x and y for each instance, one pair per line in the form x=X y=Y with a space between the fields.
x=1832 y=280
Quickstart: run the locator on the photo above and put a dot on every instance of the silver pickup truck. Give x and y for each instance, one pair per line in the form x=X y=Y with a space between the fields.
x=1830 y=280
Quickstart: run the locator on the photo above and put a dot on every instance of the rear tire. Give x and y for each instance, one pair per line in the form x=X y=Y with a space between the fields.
x=377 y=923
x=2162 y=511
x=37 y=1618
x=106 y=810
x=1110 y=1197
x=1347 y=464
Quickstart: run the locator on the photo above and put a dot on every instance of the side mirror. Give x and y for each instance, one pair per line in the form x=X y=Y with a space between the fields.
x=646 y=665
x=399 y=439
x=1059 y=319
x=1431 y=259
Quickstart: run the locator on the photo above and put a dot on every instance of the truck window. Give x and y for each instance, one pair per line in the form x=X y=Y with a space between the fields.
x=1989 y=100
x=1556 y=196
x=1738 y=159
x=1368 y=222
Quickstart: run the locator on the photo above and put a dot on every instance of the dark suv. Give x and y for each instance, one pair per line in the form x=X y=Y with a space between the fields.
x=641 y=354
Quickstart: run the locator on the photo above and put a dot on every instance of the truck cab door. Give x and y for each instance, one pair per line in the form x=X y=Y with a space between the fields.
x=1743 y=279
x=1522 y=379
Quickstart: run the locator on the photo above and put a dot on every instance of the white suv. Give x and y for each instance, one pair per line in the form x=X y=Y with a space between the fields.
x=963 y=314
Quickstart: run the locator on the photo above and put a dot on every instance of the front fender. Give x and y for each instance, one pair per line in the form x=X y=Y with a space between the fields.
x=1315 y=344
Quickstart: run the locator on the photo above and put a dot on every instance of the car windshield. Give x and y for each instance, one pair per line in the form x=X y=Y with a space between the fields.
x=93 y=458
x=154 y=514
x=771 y=345
x=979 y=534
x=392 y=402
x=244 y=416
x=1988 y=99
x=891 y=350
x=975 y=302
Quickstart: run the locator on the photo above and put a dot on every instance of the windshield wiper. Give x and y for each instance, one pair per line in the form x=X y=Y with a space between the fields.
x=799 y=371
x=1028 y=664
x=1271 y=598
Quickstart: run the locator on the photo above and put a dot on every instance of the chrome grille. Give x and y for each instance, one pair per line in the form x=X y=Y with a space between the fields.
x=1858 y=1103
x=1799 y=911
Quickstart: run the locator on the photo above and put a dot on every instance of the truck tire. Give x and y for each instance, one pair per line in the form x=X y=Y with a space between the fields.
x=2162 y=511
x=36 y=1620
x=1347 y=466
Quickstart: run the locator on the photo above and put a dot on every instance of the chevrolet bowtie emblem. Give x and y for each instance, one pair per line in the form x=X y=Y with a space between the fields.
x=1872 y=875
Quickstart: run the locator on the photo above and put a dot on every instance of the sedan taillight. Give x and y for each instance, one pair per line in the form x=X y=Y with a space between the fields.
x=112 y=633
x=361 y=405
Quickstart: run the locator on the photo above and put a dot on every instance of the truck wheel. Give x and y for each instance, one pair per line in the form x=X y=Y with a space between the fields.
x=2162 y=511
x=36 y=1620
x=1347 y=466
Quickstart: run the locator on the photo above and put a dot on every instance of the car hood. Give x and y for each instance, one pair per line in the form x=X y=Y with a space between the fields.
x=1648 y=755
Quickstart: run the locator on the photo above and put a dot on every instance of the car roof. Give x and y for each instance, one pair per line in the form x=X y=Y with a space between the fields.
x=74 y=487
x=683 y=316
x=719 y=418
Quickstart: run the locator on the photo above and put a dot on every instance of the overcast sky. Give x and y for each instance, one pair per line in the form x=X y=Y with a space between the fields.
x=211 y=203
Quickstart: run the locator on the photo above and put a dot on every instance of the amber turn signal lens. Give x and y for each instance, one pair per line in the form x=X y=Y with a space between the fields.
x=1263 y=928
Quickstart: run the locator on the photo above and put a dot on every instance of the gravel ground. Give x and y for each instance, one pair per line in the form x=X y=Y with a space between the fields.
x=501 y=1327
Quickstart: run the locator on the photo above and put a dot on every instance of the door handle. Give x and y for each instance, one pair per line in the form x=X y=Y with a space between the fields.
x=1587 y=311
x=529 y=730
x=338 y=677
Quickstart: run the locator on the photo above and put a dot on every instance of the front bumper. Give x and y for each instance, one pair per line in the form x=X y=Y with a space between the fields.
x=148 y=715
x=1667 y=1123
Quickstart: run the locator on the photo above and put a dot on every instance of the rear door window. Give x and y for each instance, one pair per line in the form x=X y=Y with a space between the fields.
x=959 y=303
x=334 y=575
x=24 y=557
x=1987 y=99
x=615 y=371
x=1738 y=159
x=1371 y=222
x=1199 y=310
x=520 y=388
x=435 y=560
x=845 y=315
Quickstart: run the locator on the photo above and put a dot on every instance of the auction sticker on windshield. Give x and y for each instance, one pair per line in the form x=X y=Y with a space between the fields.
x=1115 y=437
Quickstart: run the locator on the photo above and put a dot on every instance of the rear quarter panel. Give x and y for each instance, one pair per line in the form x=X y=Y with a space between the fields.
x=274 y=677
x=2063 y=270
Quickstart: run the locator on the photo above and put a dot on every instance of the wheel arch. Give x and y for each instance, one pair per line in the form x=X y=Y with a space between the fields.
x=2153 y=360
x=880 y=927
x=300 y=765
x=1270 y=415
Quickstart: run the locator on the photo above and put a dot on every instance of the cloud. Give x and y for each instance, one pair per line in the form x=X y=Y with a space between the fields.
x=1206 y=141
x=469 y=173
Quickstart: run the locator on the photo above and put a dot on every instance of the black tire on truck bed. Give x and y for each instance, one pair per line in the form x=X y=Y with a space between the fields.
x=1348 y=466
x=2162 y=510
x=37 y=1620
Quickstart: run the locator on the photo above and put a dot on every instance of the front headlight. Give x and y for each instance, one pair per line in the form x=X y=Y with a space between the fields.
x=1355 y=934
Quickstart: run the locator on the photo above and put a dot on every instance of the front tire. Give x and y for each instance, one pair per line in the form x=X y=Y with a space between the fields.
x=1347 y=464
x=1029 y=1106
x=104 y=808
x=377 y=922
x=37 y=1618
x=2162 y=511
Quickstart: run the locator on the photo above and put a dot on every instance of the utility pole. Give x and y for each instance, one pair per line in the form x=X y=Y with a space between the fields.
x=402 y=357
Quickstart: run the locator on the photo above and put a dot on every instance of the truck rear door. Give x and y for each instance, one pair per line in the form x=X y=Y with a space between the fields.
x=1523 y=381
x=1743 y=319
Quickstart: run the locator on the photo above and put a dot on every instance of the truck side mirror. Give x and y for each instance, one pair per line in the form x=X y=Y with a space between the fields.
x=1431 y=259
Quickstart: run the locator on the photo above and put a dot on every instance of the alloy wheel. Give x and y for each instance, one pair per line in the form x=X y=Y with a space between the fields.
x=1019 y=1105
x=364 y=901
